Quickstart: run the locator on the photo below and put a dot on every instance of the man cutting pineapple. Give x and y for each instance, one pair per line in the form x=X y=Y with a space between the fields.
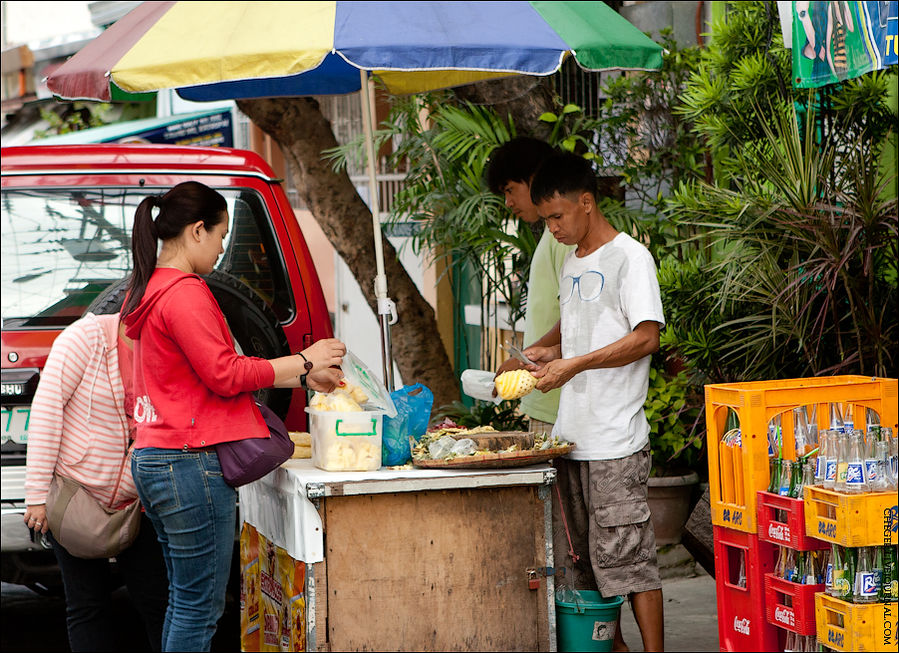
x=599 y=354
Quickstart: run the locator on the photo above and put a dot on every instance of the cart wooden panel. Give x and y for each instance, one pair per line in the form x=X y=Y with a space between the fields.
x=440 y=570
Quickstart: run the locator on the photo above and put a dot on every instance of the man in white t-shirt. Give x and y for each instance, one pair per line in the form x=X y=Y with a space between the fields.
x=599 y=354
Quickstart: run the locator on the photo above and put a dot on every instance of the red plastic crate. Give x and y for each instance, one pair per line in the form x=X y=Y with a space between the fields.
x=799 y=616
x=789 y=533
x=742 y=625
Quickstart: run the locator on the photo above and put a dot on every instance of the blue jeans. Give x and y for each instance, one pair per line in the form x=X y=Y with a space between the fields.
x=194 y=512
x=89 y=585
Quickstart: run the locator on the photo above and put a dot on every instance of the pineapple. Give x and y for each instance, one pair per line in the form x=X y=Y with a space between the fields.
x=514 y=384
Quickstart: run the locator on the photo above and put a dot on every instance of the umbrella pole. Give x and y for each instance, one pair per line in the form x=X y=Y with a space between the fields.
x=386 y=307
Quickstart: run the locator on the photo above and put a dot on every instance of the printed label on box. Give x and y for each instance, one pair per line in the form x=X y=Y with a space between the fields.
x=779 y=532
x=741 y=625
x=785 y=616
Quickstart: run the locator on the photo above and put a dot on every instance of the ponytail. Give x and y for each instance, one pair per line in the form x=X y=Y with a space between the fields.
x=185 y=204
x=144 y=239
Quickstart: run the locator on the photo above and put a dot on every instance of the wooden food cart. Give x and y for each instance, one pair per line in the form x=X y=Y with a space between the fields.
x=402 y=559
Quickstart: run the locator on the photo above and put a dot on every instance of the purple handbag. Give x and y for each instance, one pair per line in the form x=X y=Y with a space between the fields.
x=245 y=461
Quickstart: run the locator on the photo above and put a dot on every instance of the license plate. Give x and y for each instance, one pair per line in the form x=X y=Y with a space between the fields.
x=14 y=423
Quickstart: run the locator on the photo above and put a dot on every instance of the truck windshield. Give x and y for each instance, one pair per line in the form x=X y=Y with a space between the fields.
x=60 y=248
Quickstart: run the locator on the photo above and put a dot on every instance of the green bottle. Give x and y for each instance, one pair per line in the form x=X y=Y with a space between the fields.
x=774 y=475
x=843 y=573
x=889 y=585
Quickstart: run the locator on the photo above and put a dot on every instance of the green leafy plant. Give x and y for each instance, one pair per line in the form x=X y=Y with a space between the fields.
x=792 y=242
x=82 y=115
x=675 y=417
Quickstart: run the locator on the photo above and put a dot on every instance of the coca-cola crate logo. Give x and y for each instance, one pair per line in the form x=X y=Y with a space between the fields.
x=741 y=626
x=784 y=616
x=779 y=532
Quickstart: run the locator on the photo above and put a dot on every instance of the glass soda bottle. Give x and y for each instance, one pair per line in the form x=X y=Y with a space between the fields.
x=855 y=465
x=834 y=560
x=786 y=476
x=797 y=479
x=842 y=462
x=833 y=454
x=836 y=417
x=889 y=583
x=791 y=645
x=877 y=478
x=789 y=571
x=886 y=434
x=808 y=476
x=872 y=477
x=848 y=422
x=843 y=573
x=775 y=435
x=865 y=588
x=774 y=473
x=821 y=459
x=800 y=431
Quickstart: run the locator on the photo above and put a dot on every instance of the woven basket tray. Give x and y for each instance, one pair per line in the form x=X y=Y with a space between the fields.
x=497 y=459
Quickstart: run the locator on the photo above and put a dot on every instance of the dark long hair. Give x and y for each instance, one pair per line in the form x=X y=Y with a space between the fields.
x=183 y=205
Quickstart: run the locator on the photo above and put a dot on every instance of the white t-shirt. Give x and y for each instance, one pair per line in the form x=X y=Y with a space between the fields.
x=603 y=297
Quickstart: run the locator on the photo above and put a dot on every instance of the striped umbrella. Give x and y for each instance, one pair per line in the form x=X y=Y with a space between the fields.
x=236 y=50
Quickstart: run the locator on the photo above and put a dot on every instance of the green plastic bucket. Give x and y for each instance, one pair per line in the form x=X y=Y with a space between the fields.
x=588 y=624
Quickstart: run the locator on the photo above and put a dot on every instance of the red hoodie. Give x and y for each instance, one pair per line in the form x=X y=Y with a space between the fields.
x=191 y=387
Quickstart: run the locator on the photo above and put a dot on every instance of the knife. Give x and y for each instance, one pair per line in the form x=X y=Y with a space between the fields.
x=516 y=354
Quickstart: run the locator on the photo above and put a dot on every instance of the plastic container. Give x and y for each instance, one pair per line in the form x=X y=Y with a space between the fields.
x=846 y=626
x=851 y=520
x=755 y=404
x=741 y=561
x=345 y=442
x=790 y=605
x=791 y=531
x=587 y=625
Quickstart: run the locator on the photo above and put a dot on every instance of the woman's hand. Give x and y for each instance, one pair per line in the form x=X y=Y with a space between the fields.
x=36 y=517
x=324 y=380
x=324 y=354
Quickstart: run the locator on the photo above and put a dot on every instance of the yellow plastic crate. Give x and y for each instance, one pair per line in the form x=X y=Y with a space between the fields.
x=736 y=474
x=843 y=626
x=851 y=519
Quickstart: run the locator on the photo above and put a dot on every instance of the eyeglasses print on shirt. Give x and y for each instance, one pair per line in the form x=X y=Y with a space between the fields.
x=589 y=286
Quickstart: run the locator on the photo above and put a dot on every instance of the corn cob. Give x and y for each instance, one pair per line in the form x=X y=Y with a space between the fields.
x=514 y=384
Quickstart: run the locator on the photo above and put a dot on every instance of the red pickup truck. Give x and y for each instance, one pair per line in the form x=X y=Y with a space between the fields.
x=66 y=249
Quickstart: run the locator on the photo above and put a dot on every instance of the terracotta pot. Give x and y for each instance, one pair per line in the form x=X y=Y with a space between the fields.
x=669 y=502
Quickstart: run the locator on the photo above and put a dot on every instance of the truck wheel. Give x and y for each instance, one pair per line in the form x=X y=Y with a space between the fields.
x=253 y=323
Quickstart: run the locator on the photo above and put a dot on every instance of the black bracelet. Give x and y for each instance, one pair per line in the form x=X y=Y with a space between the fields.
x=307 y=364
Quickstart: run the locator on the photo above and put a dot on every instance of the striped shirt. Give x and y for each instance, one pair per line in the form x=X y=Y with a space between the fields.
x=78 y=426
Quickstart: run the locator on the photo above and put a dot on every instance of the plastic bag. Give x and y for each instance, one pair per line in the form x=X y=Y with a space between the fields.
x=413 y=412
x=466 y=447
x=479 y=384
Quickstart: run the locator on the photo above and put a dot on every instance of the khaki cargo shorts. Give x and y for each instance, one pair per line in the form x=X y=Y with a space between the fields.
x=608 y=520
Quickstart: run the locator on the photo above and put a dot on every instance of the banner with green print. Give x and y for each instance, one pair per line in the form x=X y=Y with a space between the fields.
x=835 y=41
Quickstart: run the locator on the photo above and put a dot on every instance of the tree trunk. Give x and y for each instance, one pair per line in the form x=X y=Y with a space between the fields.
x=523 y=98
x=301 y=130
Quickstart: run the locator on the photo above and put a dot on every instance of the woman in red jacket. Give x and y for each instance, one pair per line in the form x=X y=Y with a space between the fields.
x=193 y=391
